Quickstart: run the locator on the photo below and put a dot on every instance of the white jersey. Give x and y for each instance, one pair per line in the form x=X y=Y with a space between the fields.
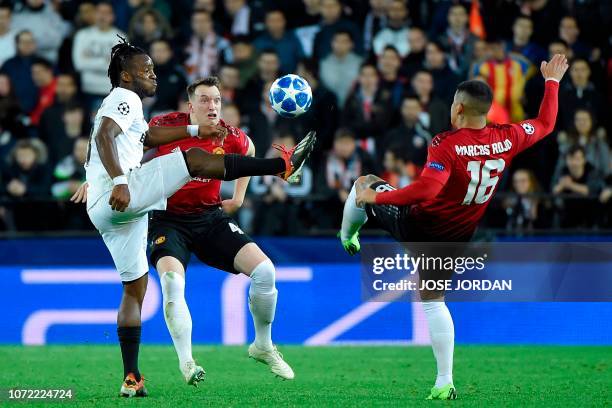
x=124 y=107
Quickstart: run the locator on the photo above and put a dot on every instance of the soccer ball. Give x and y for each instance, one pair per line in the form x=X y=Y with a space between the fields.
x=290 y=96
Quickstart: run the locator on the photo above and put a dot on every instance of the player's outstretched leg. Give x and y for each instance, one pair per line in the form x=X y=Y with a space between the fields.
x=177 y=316
x=442 y=334
x=128 y=330
x=353 y=217
x=233 y=166
x=251 y=261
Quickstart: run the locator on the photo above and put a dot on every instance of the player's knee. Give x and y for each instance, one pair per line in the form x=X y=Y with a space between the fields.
x=263 y=277
x=197 y=161
x=173 y=286
x=366 y=181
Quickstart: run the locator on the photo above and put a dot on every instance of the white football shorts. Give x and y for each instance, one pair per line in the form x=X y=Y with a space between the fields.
x=125 y=233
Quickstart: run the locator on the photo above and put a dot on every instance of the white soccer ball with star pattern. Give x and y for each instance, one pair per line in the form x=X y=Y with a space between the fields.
x=290 y=96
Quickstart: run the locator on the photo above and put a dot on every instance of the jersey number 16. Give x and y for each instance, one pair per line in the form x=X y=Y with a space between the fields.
x=482 y=175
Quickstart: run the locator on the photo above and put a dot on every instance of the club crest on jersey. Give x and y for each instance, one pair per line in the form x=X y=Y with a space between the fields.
x=123 y=108
x=160 y=240
x=528 y=128
x=435 y=166
x=218 y=150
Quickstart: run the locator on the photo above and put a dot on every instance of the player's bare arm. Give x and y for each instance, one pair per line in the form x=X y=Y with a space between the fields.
x=232 y=205
x=160 y=135
x=107 y=148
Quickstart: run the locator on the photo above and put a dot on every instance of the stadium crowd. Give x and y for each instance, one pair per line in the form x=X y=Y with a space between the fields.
x=383 y=74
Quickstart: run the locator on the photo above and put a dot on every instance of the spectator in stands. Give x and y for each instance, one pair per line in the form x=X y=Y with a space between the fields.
x=414 y=61
x=375 y=20
x=85 y=17
x=458 y=42
x=342 y=166
x=263 y=122
x=278 y=38
x=19 y=69
x=342 y=59
x=410 y=135
x=268 y=65
x=367 y=111
x=545 y=15
x=389 y=64
x=51 y=120
x=569 y=32
x=91 y=55
x=396 y=32
x=584 y=133
x=435 y=111
x=524 y=210
x=445 y=80
x=580 y=93
x=306 y=22
x=521 y=43
x=400 y=171
x=231 y=115
x=322 y=115
x=507 y=75
x=60 y=140
x=581 y=179
x=606 y=203
x=148 y=25
x=278 y=198
x=11 y=119
x=69 y=172
x=26 y=176
x=47 y=26
x=244 y=58
x=42 y=74
x=7 y=33
x=332 y=22
x=241 y=18
x=229 y=75
x=171 y=81
x=206 y=50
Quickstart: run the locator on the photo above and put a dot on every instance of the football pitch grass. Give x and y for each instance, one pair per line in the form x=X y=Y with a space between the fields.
x=338 y=376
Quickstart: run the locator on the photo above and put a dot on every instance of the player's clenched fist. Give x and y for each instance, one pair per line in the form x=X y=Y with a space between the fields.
x=212 y=132
x=555 y=68
x=120 y=197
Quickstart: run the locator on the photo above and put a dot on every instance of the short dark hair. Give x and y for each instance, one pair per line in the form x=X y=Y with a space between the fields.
x=400 y=152
x=339 y=32
x=479 y=96
x=575 y=149
x=208 y=81
x=19 y=34
x=44 y=62
x=121 y=54
x=343 y=133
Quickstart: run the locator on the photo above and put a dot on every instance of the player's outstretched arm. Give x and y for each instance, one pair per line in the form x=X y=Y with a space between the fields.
x=107 y=149
x=161 y=135
x=424 y=189
x=536 y=129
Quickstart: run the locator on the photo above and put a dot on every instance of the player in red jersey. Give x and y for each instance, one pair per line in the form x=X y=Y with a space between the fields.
x=446 y=203
x=195 y=222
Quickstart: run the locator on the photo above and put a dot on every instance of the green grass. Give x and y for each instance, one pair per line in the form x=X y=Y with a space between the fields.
x=325 y=376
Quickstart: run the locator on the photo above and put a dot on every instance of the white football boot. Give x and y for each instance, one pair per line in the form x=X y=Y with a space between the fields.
x=274 y=359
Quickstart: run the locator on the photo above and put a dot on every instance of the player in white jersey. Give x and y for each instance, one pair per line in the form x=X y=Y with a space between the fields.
x=122 y=192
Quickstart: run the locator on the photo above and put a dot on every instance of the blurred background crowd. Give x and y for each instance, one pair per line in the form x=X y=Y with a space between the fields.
x=383 y=74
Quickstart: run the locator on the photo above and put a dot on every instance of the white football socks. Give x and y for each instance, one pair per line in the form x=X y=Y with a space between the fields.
x=442 y=334
x=177 y=314
x=353 y=217
x=262 y=303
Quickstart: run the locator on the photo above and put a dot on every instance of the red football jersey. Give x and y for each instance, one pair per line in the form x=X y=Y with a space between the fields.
x=198 y=194
x=464 y=167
